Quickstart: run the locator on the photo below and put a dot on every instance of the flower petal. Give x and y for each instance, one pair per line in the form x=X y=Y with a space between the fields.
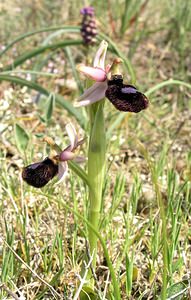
x=72 y=136
x=62 y=171
x=95 y=93
x=96 y=74
x=99 y=60
x=66 y=155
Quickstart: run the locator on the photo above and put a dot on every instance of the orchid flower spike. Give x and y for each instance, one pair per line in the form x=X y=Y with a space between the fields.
x=40 y=173
x=109 y=84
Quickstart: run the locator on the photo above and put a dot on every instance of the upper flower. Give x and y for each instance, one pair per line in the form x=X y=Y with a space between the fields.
x=109 y=84
x=40 y=173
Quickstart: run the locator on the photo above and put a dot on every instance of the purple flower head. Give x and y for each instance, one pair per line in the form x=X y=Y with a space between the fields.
x=88 y=26
x=88 y=11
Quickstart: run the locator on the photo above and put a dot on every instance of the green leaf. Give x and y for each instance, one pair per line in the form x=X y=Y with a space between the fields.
x=59 y=98
x=71 y=29
x=50 y=103
x=87 y=293
x=167 y=83
x=79 y=171
x=21 y=138
x=177 y=291
x=28 y=55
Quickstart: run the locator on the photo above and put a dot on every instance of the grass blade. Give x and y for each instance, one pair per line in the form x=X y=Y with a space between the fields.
x=21 y=59
x=166 y=83
x=59 y=99
x=71 y=29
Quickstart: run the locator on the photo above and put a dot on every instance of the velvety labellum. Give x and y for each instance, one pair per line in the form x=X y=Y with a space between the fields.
x=40 y=173
x=125 y=97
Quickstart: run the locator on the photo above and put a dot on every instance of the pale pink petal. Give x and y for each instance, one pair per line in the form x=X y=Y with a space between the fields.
x=66 y=155
x=72 y=136
x=95 y=93
x=62 y=171
x=99 y=60
x=96 y=74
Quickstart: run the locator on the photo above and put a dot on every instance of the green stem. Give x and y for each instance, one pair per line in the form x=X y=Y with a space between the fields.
x=96 y=170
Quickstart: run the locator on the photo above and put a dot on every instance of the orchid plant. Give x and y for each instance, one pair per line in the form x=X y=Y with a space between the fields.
x=108 y=83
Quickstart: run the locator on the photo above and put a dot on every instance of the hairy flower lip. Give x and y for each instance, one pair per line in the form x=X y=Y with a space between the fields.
x=125 y=97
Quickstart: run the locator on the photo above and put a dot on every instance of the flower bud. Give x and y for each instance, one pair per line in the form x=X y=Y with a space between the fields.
x=40 y=173
x=125 y=97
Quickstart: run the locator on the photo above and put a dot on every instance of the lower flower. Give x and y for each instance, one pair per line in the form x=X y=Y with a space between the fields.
x=40 y=173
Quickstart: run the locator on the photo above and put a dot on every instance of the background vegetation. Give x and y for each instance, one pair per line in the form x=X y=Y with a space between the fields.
x=42 y=241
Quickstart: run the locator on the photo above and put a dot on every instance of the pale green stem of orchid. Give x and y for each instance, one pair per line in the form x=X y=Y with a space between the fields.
x=96 y=171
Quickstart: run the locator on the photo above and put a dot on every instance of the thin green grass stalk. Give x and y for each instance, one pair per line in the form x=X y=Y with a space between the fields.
x=174 y=212
x=96 y=170
x=40 y=62
x=129 y=272
x=21 y=59
x=166 y=83
x=114 y=280
x=131 y=9
x=59 y=99
x=30 y=269
x=163 y=218
x=73 y=67
x=29 y=72
x=118 y=193
x=75 y=29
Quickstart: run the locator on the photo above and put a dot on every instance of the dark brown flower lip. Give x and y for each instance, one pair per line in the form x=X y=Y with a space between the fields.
x=40 y=173
x=125 y=97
